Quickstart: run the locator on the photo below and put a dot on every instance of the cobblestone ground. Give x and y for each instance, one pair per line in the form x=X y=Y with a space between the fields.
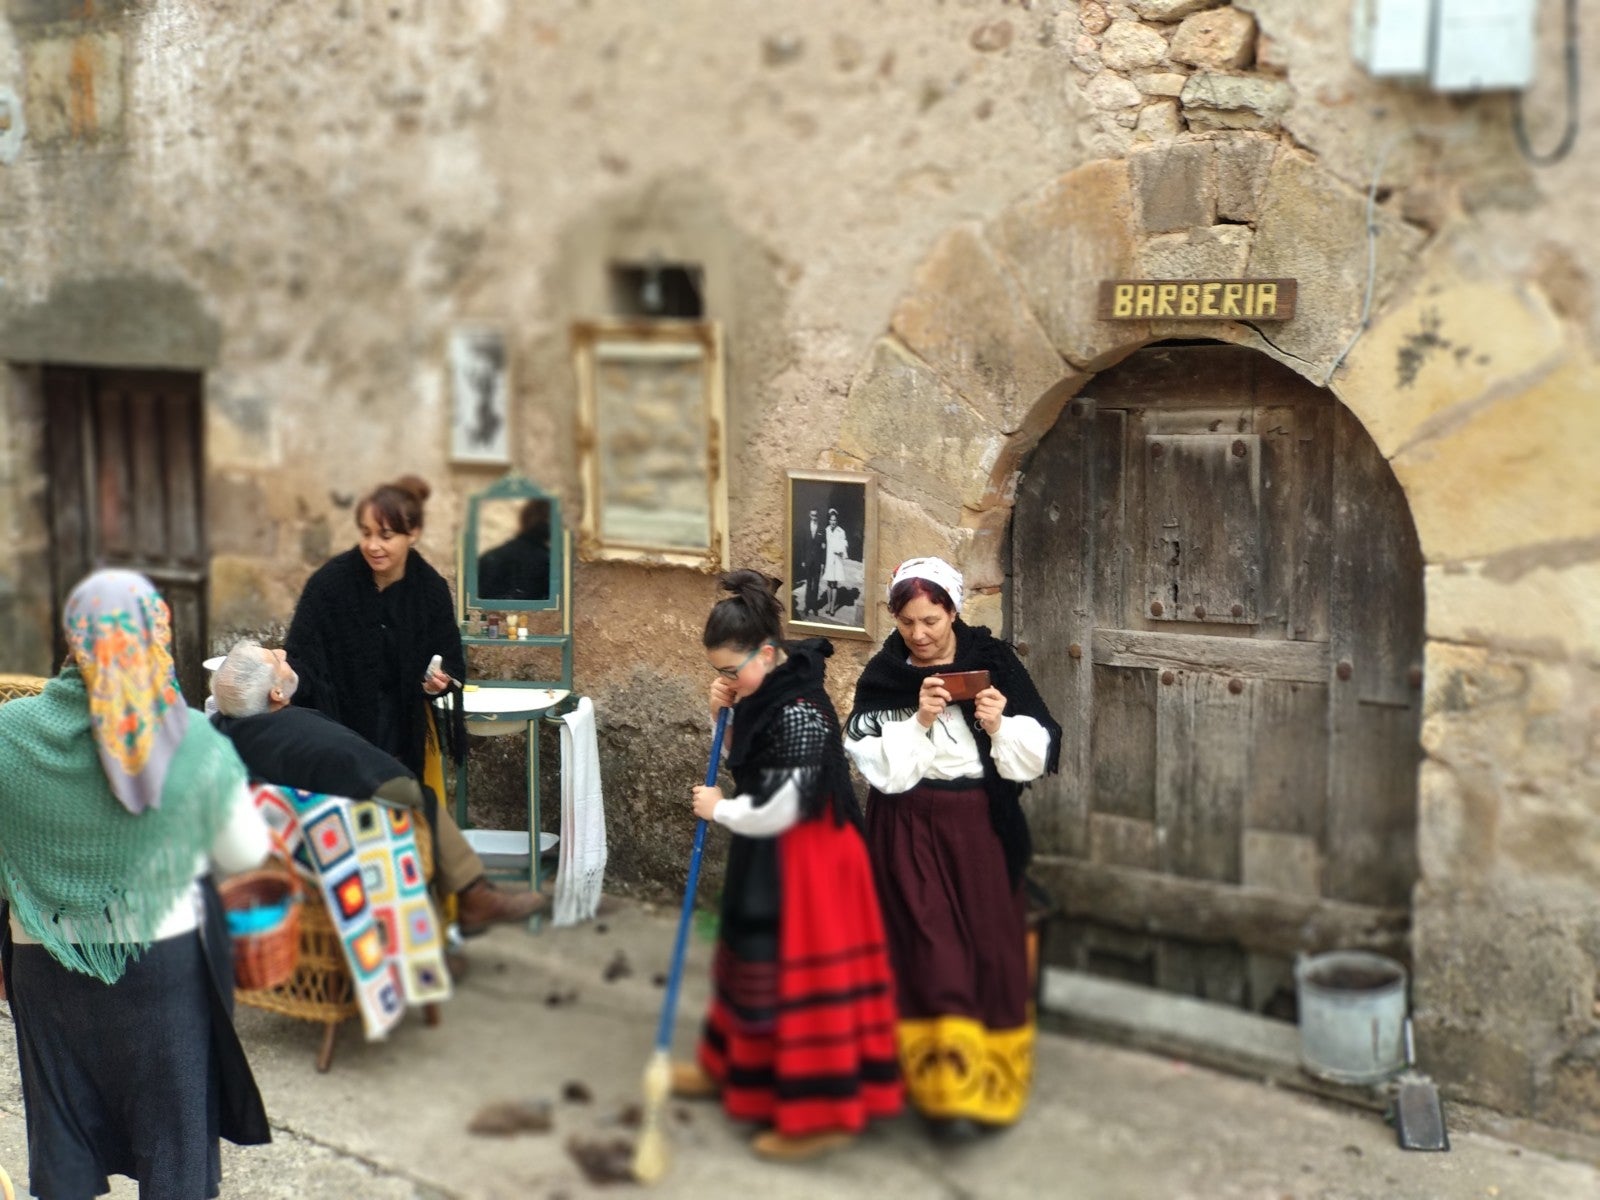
x=536 y=1014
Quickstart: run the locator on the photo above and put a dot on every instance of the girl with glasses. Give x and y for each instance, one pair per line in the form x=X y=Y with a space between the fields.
x=800 y=1033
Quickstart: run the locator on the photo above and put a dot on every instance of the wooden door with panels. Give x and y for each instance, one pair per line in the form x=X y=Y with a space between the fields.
x=1218 y=589
x=126 y=470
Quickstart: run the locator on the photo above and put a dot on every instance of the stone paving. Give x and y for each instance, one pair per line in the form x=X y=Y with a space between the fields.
x=537 y=1018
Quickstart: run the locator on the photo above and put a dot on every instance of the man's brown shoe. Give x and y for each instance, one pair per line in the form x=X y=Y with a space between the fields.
x=483 y=905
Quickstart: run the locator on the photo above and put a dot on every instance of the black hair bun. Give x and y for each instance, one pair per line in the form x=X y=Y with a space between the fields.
x=750 y=585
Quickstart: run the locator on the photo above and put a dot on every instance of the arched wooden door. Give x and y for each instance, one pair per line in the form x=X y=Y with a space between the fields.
x=1218 y=588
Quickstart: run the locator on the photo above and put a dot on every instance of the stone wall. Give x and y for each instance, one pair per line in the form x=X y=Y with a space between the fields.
x=897 y=207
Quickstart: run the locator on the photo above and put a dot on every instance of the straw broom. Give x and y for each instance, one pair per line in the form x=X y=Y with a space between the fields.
x=650 y=1157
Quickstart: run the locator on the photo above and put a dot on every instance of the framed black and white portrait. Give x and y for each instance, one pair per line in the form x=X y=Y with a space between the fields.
x=480 y=397
x=832 y=553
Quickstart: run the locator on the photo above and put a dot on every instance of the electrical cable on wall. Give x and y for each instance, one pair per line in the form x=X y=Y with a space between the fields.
x=1570 y=134
x=1372 y=252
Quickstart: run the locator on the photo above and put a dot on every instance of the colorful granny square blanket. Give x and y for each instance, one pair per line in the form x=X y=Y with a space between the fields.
x=362 y=857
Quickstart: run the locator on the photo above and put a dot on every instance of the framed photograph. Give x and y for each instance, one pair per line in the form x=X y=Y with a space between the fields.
x=480 y=397
x=650 y=443
x=832 y=543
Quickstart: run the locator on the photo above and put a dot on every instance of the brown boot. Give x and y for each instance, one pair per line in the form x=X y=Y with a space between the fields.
x=690 y=1082
x=778 y=1148
x=483 y=905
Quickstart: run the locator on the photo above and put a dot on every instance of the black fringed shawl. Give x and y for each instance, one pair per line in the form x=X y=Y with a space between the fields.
x=888 y=690
x=359 y=652
x=759 y=741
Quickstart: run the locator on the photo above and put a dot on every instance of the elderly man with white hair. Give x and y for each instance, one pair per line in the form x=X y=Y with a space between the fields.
x=290 y=746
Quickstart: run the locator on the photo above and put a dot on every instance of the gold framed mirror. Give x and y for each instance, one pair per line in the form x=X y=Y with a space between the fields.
x=651 y=444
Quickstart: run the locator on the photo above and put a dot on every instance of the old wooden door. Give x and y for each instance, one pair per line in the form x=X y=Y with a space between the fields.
x=125 y=491
x=1218 y=588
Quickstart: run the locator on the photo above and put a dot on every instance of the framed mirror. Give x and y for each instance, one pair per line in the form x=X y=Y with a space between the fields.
x=512 y=547
x=650 y=441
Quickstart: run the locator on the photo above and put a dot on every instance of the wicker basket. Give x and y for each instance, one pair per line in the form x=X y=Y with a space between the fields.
x=320 y=989
x=268 y=958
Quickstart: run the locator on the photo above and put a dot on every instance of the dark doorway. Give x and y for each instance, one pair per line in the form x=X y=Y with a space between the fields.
x=126 y=471
x=1220 y=588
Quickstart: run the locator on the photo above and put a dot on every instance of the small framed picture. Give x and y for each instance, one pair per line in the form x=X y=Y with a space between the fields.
x=832 y=552
x=480 y=397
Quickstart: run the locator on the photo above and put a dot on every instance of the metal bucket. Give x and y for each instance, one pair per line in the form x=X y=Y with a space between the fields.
x=1352 y=1016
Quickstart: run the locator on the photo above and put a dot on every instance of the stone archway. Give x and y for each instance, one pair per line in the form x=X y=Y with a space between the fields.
x=999 y=328
x=1471 y=388
x=998 y=331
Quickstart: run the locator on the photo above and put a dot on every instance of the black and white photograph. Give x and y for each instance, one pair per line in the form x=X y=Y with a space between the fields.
x=480 y=397
x=833 y=518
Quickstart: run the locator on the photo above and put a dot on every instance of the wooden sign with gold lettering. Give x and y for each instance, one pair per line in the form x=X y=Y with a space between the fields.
x=1197 y=299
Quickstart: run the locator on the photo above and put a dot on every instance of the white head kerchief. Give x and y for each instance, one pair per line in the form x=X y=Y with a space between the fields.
x=934 y=570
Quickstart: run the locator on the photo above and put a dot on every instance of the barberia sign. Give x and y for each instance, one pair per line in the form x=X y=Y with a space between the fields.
x=1197 y=299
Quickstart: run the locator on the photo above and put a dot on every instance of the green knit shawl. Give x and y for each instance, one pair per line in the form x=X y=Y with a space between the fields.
x=69 y=852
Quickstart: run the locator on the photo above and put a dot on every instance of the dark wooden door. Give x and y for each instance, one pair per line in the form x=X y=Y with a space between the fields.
x=1218 y=588
x=125 y=491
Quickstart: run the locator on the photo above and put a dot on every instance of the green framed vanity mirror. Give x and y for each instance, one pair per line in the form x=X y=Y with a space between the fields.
x=514 y=559
x=513 y=548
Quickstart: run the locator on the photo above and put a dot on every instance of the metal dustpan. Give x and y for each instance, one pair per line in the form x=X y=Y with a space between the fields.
x=1418 y=1115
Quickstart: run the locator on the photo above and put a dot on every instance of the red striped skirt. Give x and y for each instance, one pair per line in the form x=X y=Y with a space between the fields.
x=806 y=1043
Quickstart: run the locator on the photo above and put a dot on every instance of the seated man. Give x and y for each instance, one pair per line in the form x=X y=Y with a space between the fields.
x=301 y=748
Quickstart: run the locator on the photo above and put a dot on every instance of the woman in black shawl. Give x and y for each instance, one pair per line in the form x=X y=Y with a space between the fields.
x=800 y=1033
x=369 y=622
x=362 y=641
x=949 y=845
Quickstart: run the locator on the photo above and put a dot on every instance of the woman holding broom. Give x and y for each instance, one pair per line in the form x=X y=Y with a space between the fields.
x=800 y=1034
x=949 y=843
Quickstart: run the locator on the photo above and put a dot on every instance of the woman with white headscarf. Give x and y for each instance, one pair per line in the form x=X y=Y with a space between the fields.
x=949 y=844
x=115 y=801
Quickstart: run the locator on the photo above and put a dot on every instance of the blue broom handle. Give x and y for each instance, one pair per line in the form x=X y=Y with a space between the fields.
x=669 y=1005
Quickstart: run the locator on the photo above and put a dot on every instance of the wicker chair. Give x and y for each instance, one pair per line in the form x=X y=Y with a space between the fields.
x=13 y=687
x=321 y=990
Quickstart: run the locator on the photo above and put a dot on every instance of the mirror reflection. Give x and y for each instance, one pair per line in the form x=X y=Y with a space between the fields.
x=516 y=565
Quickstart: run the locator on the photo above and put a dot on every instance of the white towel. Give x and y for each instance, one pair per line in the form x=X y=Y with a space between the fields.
x=581 y=860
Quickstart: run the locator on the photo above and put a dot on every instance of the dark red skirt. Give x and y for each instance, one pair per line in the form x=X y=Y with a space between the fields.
x=958 y=941
x=806 y=1042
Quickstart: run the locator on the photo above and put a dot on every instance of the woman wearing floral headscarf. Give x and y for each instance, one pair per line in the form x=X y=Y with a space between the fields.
x=114 y=801
x=949 y=844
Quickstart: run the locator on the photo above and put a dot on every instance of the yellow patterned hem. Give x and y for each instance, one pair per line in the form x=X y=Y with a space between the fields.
x=955 y=1067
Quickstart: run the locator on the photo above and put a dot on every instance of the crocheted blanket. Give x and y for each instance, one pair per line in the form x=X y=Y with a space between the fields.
x=362 y=857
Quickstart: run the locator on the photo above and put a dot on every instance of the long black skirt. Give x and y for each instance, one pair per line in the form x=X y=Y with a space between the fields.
x=119 y=1079
x=958 y=941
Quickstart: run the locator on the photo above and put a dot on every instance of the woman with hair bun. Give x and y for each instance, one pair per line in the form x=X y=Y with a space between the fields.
x=369 y=622
x=362 y=641
x=800 y=1032
x=949 y=843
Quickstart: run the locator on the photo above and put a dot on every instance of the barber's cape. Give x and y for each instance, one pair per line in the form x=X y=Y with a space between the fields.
x=362 y=857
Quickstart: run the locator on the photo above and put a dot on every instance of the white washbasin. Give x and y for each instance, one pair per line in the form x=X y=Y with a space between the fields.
x=494 y=710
